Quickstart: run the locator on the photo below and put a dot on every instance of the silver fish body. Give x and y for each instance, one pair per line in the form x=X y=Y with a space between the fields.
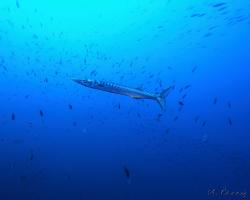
x=124 y=90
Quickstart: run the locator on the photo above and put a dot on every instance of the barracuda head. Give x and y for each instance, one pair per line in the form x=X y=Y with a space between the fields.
x=87 y=82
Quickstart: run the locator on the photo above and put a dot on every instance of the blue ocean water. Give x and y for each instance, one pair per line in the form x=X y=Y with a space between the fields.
x=61 y=140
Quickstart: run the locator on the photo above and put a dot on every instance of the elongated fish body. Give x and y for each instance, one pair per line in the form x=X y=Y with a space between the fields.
x=123 y=90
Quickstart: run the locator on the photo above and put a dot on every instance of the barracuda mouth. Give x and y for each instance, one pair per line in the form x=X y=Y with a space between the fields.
x=87 y=83
x=77 y=81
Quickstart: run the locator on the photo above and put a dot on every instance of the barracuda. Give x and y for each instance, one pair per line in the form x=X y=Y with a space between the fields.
x=127 y=91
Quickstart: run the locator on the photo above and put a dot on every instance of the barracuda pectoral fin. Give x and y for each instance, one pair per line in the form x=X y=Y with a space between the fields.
x=161 y=98
x=135 y=97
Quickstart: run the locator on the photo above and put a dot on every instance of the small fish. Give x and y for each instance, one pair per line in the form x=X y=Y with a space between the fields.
x=229 y=105
x=151 y=76
x=176 y=118
x=230 y=121
x=70 y=106
x=219 y=4
x=196 y=118
x=35 y=36
x=215 y=100
x=194 y=69
x=74 y=123
x=187 y=86
x=93 y=73
x=160 y=83
x=181 y=103
x=167 y=130
x=5 y=68
x=222 y=8
x=204 y=123
x=159 y=117
x=197 y=15
x=13 y=116
x=46 y=80
x=41 y=113
x=31 y=156
x=207 y=35
x=17 y=4
x=126 y=172
x=184 y=96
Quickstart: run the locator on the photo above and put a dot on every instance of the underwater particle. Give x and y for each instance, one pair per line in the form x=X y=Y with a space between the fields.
x=204 y=123
x=23 y=178
x=126 y=172
x=41 y=113
x=30 y=124
x=17 y=141
x=215 y=100
x=46 y=80
x=13 y=116
x=119 y=106
x=84 y=130
x=75 y=123
x=204 y=138
x=229 y=105
x=230 y=122
x=194 y=69
x=122 y=77
x=70 y=106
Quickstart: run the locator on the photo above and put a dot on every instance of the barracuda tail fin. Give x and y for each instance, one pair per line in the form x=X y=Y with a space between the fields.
x=161 y=98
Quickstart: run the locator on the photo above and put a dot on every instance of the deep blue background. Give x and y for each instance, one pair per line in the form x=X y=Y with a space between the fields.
x=81 y=153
